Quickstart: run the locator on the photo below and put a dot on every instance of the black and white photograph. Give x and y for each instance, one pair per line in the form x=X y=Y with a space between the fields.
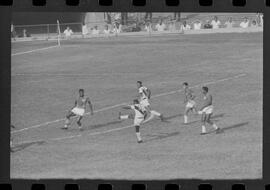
x=136 y=95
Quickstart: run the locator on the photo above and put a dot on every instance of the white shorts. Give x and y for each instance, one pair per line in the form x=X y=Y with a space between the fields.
x=208 y=110
x=145 y=102
x=138 y=121
x=190 y=104
x=78 y=111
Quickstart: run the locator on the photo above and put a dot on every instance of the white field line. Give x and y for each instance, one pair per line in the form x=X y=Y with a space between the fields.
x=129 y=126
x=34 y=50
x=121 y=104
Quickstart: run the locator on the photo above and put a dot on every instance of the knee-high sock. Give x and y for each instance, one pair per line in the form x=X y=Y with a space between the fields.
x=185 y=118
x=155 y=113
x=124 y=117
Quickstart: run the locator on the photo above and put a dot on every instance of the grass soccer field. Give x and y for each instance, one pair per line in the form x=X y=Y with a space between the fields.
x=45 y=83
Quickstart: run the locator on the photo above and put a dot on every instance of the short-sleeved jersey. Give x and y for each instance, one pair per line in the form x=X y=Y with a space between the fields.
x=81 y=102
x=139 y=110
x=208 y=97
x=143 y=92
x=189 y=94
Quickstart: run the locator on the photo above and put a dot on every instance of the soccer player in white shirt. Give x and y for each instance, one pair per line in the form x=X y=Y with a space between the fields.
x=215 y=23
x=207 y=110
x=245 y=23
x=78 y=109
x=139 y=116
x=144 y=96
x=189 y=101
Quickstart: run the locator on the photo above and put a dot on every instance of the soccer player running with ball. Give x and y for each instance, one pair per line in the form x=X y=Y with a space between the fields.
x=139 y=116
x=188 y=101
x=144 y=97
x=79 y=109
x=207 y=110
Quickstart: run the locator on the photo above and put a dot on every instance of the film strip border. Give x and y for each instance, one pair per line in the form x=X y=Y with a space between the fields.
x=136 y=5
x=135 y=186
x=141 y=5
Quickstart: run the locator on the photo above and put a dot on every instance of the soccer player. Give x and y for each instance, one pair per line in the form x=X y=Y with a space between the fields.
x=79 y=109
x=207 y=110
x=144 y=96
x=189 y=101
x=140 y=113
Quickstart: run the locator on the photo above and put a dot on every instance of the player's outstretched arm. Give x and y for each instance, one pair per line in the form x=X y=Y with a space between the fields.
x=126 y=107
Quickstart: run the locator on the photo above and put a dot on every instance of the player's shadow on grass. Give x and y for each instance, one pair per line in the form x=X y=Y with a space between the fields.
x=103 y=125
x=96 y=126
x=160 y=136
x=23 y=146
x=234 y=126
x=172 y=117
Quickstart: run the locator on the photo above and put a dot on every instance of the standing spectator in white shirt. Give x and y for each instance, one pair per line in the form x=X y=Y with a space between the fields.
x=160 y=26
x=254 y=24
x=106 y=30
x=116 y=28
x=68 y=32
x=229 y=23
x=185 y=26
x=261 y=19
x=171 y=25
x=148 y=27
x=215 y=23
x=245 y=23
x=95 y=30
x=84 y=30
x=197 y=25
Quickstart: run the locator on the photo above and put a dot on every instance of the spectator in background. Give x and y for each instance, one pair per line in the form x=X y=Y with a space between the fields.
x=68 y=32
x=185 y=26
x=106 y=30
x=177 y=16
x=95 y=30
x=253 y=24
x=171 y=24
x=245 y=23
x=208 y=25
x=13 y=32
x=116 y=28
x=84 y=30
x=229 y=23
x=148 y=14
x=148 y=27
x=215 y=23
x=197 y=25
x=25 y=33
x=261 y=19
x=160 y=27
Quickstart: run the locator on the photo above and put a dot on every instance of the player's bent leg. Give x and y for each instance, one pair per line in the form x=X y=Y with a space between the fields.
x=187 y=109
x=212 y=123
x=67 y=121
x=208 y=119
x=138 y=134
x=79 y=122
x=203 y=120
